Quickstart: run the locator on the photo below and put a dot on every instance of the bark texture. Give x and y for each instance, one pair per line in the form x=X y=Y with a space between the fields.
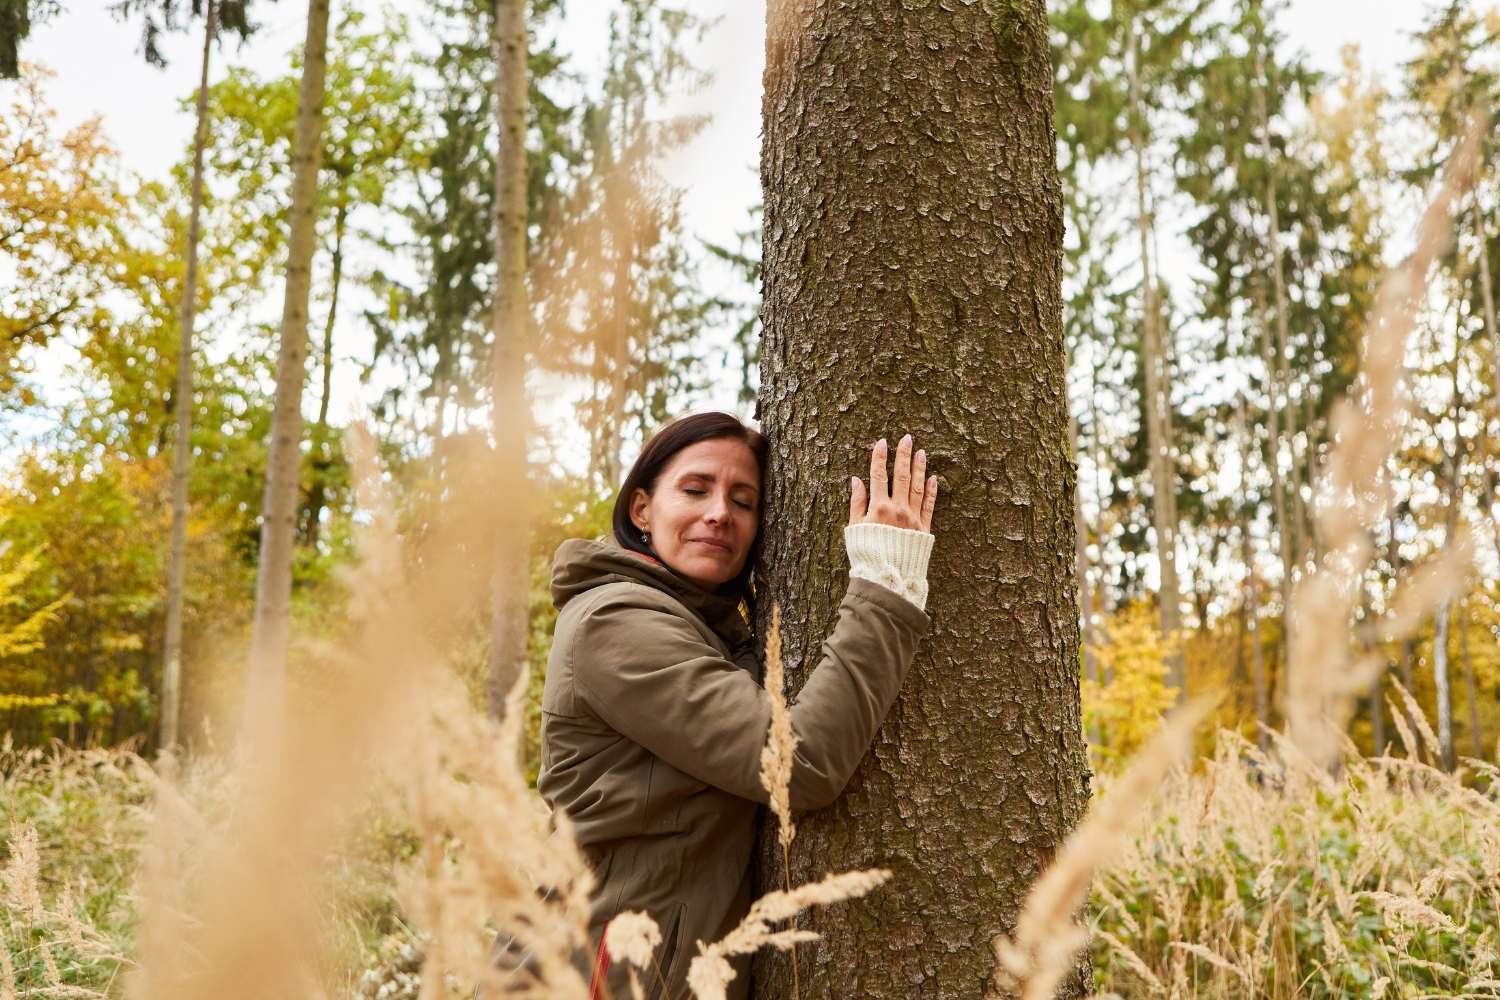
x=912 y=235
x=182 y=451
x=278 y=529
x=512 y=322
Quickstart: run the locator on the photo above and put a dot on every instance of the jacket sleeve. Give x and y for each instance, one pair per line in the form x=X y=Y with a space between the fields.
x=644 y=670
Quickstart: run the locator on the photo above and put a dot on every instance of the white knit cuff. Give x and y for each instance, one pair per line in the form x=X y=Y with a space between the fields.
x=895 y=558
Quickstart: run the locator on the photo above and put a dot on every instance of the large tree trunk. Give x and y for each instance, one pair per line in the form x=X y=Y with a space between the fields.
x=182 y=451
x=278 y=530
x=1158 y=391
x=913 y=236
x=512 y=322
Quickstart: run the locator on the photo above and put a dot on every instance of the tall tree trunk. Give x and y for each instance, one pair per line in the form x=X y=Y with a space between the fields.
x=912 y=282
x=1273 y=467
x=512 y=323
x=1487 y=296
x=1158 y=400
x=1442 y=686
x=1377 y=683
x=278 y=530
x=1278 y=286
x=182 y=451
x=1252 y=590
x=324 y=459
x=1394 y=558
x=1487 y=293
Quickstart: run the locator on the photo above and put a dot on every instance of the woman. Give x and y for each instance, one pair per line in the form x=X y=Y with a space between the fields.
x=653 y=715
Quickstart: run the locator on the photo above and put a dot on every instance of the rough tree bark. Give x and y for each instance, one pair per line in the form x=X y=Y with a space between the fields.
x=912 y=282
x=278 y=529
x=512 y=323
x=182 y=450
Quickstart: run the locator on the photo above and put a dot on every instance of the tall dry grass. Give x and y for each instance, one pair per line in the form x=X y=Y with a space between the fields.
x=1323 y=670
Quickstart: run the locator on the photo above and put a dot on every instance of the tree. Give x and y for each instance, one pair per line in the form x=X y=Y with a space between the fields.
x=273 y=584
x=60 y=203
x=171 y=669
x=509 y=420
x=1117 y=72
x=912 y=269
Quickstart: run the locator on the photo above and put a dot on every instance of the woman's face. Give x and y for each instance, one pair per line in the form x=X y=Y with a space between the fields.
x=703 y=512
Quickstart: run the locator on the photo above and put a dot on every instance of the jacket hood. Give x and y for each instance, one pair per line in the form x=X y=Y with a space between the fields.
x=581 y=564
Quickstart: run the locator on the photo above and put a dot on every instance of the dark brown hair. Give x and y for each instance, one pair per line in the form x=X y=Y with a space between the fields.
x=655 y=456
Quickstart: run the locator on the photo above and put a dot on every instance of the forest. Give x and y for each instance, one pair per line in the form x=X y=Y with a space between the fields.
x=1199 y=335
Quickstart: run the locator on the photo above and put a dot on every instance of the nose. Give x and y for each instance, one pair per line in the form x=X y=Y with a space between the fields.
x=718 y=511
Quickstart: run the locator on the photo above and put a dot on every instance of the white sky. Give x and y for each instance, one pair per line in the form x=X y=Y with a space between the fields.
x=99 y=71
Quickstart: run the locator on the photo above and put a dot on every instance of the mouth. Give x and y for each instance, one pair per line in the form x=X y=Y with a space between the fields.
x=720 y=546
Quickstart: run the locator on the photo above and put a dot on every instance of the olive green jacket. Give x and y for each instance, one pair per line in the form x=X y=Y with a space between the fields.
x=653 y=720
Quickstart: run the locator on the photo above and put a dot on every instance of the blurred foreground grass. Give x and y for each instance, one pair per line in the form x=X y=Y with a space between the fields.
x=1254 y=875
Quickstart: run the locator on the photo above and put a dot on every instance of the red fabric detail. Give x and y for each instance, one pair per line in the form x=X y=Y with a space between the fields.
x=601 y=966
x=642 y=555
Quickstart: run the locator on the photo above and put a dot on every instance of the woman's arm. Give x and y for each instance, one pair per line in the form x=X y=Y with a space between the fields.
x=646 y=671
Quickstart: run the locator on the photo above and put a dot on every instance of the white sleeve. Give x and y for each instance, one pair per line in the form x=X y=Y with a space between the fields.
x=895 y=558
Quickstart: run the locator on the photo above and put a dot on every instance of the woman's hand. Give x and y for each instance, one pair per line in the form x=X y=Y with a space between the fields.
x=906 y=502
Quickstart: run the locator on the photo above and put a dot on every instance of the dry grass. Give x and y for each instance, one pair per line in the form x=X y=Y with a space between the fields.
x=1252 y=883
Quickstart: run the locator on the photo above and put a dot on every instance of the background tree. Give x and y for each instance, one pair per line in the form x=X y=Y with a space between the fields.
x=273 y=587
x=913 y=252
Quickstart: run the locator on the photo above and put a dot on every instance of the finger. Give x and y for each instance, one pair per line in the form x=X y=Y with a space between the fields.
x=901 y=487
x=858 y=500
x=918 y=479
x=929 y=501
x=878 y=488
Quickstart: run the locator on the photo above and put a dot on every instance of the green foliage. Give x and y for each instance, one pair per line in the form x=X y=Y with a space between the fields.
x=1261 y=877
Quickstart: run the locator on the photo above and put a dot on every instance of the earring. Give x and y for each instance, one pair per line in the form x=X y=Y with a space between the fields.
x=646 y=537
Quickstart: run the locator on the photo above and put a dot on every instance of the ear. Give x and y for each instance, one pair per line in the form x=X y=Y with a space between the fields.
x=640 y=506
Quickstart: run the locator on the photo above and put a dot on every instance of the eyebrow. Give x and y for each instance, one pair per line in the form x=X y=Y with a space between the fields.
x=710 y=477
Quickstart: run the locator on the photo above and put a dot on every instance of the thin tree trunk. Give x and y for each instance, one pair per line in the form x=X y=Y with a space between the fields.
x=1487 y=292
x=278 y=533
x=1444 y=690
x=1377 y=683
x=913 y=237
x=182 y=452
x=1158 y=402
x=1252 y=588
x=320 y=434
x=1273 y=467
x=512 y=323
x=1278 y=285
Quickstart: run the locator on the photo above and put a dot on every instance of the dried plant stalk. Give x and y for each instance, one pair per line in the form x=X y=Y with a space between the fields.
x=1323 y=674
x=1047 y=937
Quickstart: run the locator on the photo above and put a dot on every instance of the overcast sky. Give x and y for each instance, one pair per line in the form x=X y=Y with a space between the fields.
x=99 y=72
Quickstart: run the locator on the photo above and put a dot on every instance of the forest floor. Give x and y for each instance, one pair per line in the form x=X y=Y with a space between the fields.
x=1252 y=876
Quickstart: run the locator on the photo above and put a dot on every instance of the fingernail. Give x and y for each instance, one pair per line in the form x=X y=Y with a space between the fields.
x=906 y=439
x=922 y=454
x=880 y=443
